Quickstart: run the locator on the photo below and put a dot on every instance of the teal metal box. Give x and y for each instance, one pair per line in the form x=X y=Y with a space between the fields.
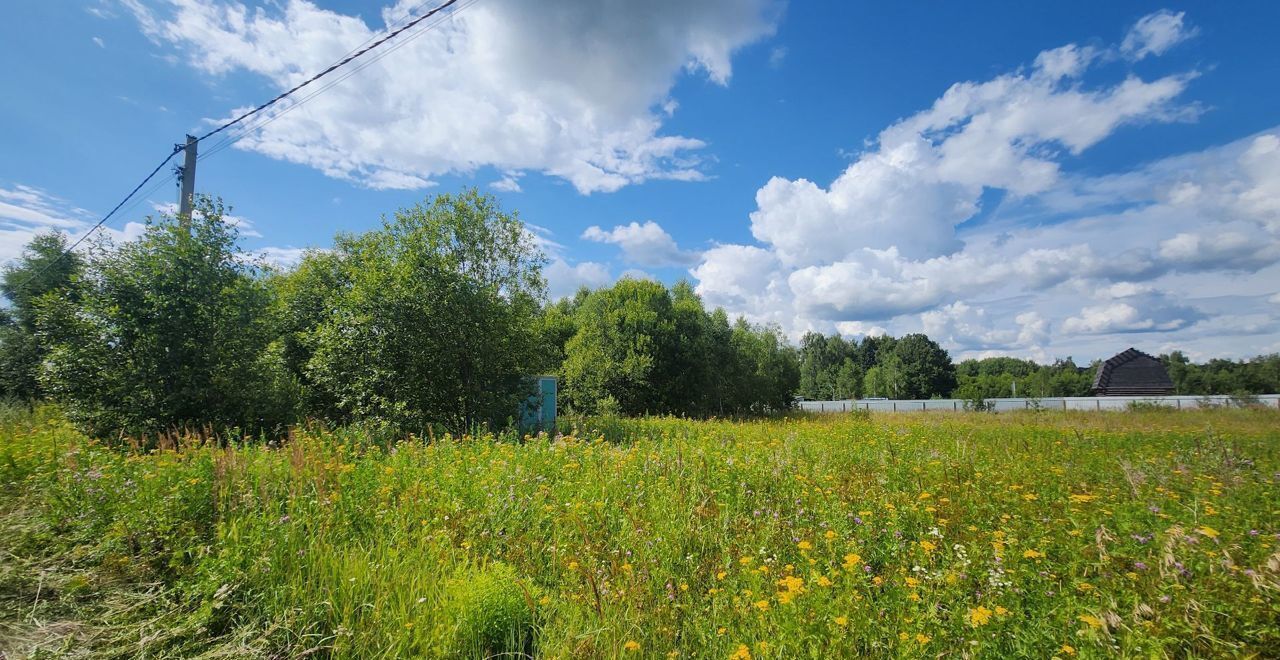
x=539 y=412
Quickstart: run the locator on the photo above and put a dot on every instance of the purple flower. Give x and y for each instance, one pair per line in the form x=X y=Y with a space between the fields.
x=1139 y=566
x=857 y=520
x=1253 y=532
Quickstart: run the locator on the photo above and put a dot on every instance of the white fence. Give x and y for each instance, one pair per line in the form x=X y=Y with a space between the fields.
x=1053 y=403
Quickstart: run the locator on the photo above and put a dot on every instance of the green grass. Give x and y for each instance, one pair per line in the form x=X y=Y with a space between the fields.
x=1140 y=534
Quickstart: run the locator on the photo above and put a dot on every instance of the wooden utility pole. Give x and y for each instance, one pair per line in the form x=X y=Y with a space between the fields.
x=187 y=177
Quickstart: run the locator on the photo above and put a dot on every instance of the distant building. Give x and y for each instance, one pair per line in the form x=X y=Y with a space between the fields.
x=1132 y=373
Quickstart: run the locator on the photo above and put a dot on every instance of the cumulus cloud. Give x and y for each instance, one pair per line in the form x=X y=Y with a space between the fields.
x=890 y=240
x=564 y=279
x=576 y=90
x=1150 y=311
x=1156 y=33
x=645 y=244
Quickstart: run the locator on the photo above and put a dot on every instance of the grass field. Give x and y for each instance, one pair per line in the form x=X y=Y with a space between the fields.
x=1147 y=534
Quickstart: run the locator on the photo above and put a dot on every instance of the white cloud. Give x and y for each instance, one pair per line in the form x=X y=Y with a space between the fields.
x=99 y=42
x=1152 y=247
x=1156 y=33
x=561 y=87
x=776 y=55
x=927 y=172
x=645 y=244
x=564 y=279
x=281 y=257
x=510 y=182
x=1146 y=312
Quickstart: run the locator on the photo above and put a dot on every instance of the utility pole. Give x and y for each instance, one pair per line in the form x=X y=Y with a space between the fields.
x=187 y=177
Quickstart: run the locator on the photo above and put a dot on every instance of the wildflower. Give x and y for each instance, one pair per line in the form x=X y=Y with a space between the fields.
x=1067 y=649
x=631 y=645
x=1209 y=532
x=831 y=535
x=903 y=636
x=804 y=545
x=852 y=560
x=922 y=638
x=1033 y=554
x=823 y=581
x=928 y=546
x=1000 y=611
x=721 y=575
x=743 y=653
x=842 y=621
x=1093 y=621
x=721 y=631
x=912 y=582
x=1085 y=586
x=626 y=568
x=924 y=496
x=979 y=616
x=1030 y=497
x=1081 y=498
x=762 y=605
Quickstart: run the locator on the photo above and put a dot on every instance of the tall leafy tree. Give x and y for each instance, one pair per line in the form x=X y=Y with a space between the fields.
x=40 y=272
x=431 y=319
x=927 y=370
x=169 y=330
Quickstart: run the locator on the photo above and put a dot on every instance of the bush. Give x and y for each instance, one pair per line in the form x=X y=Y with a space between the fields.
x=493 y=613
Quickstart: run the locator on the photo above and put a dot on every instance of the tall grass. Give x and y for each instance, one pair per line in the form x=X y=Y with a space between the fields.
x=1032 y=535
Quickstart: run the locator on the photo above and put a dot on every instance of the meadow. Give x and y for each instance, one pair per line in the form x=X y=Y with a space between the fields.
x=1038 y=534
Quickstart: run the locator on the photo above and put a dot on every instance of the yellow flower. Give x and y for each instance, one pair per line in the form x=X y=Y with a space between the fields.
x=684 y=586
x=1030 y=497
x=979 y=616
x=762 y=605
x=631 y=645
x=1000 y=611
x=743 y=653
x=1068 y=649
x=1209 y=532
x=573 y=565
x=928 y=546
x=745 y=561
x=1033 y=554
x=852 y=560
x=1081 y=498
x=1085 y=586
x=842 y=621
x=922 y=638
x=924 y=496
x=912 y=582
x=823 y=581
x=903 y=636
x=721 y=575
x=913 y=597
x=1093 y=621
x=829 y=535
x=804 y=545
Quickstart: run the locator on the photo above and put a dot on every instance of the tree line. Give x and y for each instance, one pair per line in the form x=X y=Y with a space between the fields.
x=438 y=317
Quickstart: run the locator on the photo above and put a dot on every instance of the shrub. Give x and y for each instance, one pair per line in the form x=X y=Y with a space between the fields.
x=493 y=613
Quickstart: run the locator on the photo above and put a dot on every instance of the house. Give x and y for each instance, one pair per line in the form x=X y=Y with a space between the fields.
x=1132 y=373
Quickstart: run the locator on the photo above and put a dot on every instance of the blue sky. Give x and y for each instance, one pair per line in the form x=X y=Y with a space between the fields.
x=1031 y=179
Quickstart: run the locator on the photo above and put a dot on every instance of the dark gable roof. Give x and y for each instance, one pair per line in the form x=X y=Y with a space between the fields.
x=1132 y=372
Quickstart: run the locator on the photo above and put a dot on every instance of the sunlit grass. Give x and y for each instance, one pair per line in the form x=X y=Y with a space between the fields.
x=1031 y=535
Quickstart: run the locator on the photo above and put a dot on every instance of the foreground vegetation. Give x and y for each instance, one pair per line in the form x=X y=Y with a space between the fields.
x=1034 y=535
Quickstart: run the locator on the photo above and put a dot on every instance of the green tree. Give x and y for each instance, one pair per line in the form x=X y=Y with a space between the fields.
x=927 y=370
x=40 y=272
x=168 y=331
x=622 y=349
x=431 y=319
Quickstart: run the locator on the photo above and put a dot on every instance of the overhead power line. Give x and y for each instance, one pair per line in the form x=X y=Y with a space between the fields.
x=348 y=58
